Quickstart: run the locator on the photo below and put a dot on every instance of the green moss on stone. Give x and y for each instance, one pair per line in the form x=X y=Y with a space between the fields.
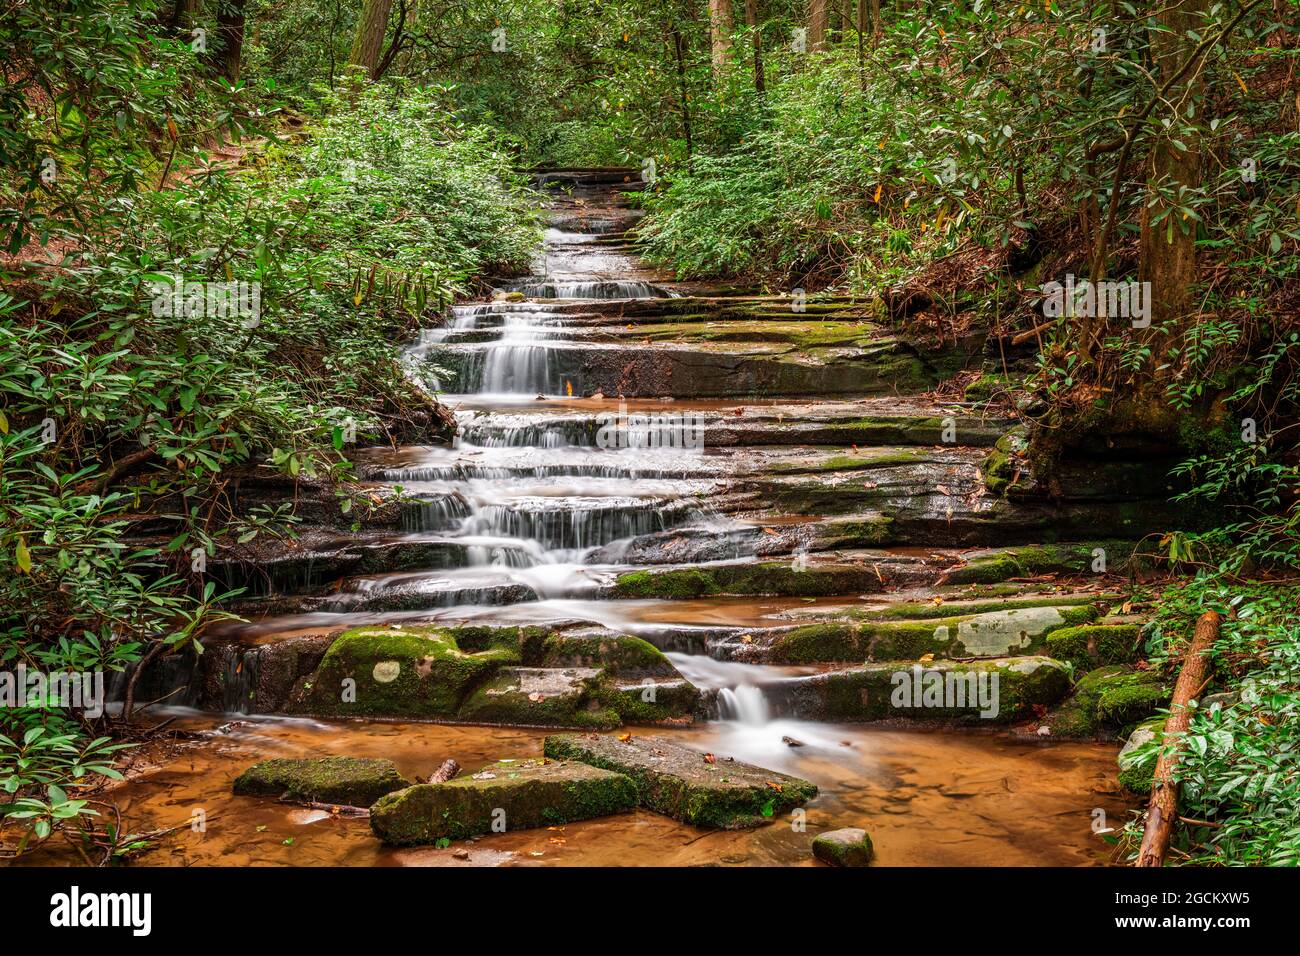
x=349 y=781
x=681 y=783
x=384 y=672
x=508 y=795
x=1093 y=645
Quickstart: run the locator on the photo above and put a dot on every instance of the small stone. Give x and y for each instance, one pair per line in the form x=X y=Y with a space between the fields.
x=848 y=847
x=791 y=742
x=461 y=854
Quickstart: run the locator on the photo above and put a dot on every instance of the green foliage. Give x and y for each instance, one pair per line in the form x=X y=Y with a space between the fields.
x=245 y=318
x=1238 y=757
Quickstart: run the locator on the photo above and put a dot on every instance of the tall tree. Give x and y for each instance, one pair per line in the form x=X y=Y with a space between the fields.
x=818 y=22
x=368 y=44
x=1168 y=238
x=230 y=36
x=756 y=37
x=720 y=33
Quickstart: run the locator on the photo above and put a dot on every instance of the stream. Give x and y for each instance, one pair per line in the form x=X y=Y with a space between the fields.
x=533 y=520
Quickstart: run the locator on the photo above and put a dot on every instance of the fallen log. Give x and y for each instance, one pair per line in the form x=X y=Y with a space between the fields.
x=1162 y=808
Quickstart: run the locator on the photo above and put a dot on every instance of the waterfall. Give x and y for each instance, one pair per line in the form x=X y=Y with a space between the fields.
x=745 y=704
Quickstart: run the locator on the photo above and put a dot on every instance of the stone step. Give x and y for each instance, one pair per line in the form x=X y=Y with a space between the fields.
x=704 y=790
x=502 y=797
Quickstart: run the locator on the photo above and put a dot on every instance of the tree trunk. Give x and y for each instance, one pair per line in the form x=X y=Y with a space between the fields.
x=679 y=53
x=369 y=41
x=230 y=34
x=875 y=21
x=818 y=20
x=1168 y=246
x=720 y=24
x=1162 y=809
x=756 y=37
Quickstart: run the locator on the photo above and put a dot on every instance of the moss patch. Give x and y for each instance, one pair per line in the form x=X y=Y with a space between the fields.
x=683 y=784
x=1093 y=645
x=848 y=847
x=508 y=795
x=349 y=781
x=383 y=672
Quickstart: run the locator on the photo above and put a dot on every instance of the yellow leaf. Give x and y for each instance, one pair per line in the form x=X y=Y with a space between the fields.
x=24 y=557
x=879 y=187
x=1240 y=82
x=4 y=424
x=926 y=658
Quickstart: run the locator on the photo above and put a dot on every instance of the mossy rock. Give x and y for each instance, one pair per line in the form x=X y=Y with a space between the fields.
x=1125 y=706
x=929 y=610
x=508 y=795
x=1005 y=460
x=684 y=784
x=414 y=672
x=653 y=702
x=987 y=634
x=993 y=691
x=1130 y=694
x=349 y=781
x=623 y=655
x=996 y=565
x=1135 y=773
x=847 y=847
x=541 y=697
x=1094 y=645
x=770 y=577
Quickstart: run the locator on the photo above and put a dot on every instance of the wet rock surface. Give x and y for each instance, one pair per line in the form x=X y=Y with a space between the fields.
x=706 y=790
x=508 y=795
x=848 y=847
x=348 y=781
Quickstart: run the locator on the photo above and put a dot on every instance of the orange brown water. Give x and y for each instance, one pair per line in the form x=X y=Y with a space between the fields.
x=925 y=798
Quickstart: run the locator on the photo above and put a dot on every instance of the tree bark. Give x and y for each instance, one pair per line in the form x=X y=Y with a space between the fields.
x=756 y=37
x=818 y=20
x=1162 y=809
x=368 y=43
x=1168 y=247
x=720 y=24
x=230 y=33
x=679 y=53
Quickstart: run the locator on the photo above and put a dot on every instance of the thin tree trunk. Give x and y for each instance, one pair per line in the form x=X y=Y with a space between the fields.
x=1168 y=247
x=679 y=52
x=720 y=24
x=818 y=20
x=369 y=41
x=230 y=33
x=1162 y=809
x=756 y=37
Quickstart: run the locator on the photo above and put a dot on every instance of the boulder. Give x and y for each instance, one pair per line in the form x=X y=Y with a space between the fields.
x=703 y=790
x=541 y=697
x=1093 y=645
x=349 y=781
x=847 y=847
x=507 y=795
x=413 y=672
x=998 y=691
x=987 y=634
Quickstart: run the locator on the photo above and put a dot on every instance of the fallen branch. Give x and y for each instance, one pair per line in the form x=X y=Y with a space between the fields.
x=446 y=771
x=1162 y=809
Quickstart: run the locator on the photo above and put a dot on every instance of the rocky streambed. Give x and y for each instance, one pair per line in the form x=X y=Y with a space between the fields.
x=779 y=583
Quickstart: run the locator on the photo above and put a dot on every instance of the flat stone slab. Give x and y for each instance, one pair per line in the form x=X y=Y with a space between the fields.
x=540 y=697
x=507 y=795
x=848 y=847
x=349 y=781
x=717 y=793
